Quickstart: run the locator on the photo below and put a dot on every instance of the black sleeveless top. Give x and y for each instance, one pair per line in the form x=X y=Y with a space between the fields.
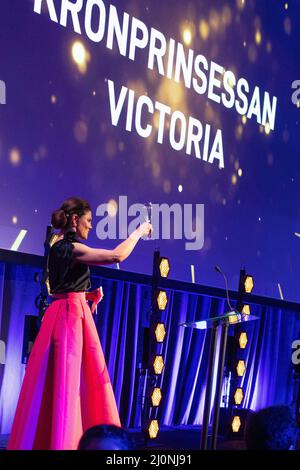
x=65 y=273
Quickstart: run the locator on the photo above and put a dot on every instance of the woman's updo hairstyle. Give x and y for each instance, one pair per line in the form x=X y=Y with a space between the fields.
x=61 y=218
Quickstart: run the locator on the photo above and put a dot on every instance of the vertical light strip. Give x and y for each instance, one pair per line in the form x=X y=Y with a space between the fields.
x=16 y=244
x=193 y=273
x=280 y=291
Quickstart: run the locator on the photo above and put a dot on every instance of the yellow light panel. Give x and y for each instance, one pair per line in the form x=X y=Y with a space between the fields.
x=238 y=396
x=153 y=429
x=158 y=365
x=249 y=284
x=162 y=300
x=240 y=369
x=243 y=340
x=164 y=267
x=236 y=424
x=156 y=396
x=160 y=332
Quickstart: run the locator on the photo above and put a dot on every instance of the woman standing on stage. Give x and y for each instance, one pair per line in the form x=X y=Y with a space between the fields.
x=66 y=387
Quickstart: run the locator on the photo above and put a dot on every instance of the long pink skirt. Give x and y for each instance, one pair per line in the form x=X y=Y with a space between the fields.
x=66 y=387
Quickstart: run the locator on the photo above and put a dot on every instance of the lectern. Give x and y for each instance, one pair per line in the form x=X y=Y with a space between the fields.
x=224 y=321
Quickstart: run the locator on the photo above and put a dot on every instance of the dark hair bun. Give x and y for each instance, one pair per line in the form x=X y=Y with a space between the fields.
x=59 y=219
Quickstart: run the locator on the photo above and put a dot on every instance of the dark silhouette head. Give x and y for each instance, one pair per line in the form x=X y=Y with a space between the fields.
x=272 y=428
x=61 y=218
x=106 y=437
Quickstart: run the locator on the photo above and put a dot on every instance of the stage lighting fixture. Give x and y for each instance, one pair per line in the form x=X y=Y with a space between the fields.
x=164 y=267
x=160 y=332
x=153 y=428
x=238 y=396
x=248 y=284
x=243 y=340
x=161 y=300
x=233 y=319
x=236 y=424
x=156 y=396
x=240 y=368
x=246 y=310
x=158 y=364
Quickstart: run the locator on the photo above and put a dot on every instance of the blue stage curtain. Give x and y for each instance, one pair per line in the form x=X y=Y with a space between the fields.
x=121 y=318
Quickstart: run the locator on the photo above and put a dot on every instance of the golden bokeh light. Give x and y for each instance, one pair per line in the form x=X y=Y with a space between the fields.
x=240 y=4
x=258 y=37
x=267 y=128
x=172 y=94
x=138 y=86
x=15 y=156
x=226 y=15
x=214 y=20
x=239 y=131
x=156 y=119
x=187 y=37
x=233 y=180
x=80 y=56
x=204 y=29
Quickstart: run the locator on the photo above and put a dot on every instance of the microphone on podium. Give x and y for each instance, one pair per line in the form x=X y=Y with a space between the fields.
x=219 y=270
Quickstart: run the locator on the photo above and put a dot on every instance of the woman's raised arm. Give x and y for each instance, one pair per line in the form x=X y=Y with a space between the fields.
x=95 y=256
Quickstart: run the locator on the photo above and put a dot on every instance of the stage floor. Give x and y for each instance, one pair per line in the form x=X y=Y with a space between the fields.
x=174 y=438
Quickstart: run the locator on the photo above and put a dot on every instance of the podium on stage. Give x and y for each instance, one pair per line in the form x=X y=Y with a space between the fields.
x=232 y=317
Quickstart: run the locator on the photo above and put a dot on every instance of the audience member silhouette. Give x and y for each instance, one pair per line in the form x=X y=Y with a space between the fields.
x=106 y=437
x=272 y=428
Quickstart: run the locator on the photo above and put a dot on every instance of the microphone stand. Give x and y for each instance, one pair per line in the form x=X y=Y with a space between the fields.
x=220 y=373
x=209 y=381
x=220 y=376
